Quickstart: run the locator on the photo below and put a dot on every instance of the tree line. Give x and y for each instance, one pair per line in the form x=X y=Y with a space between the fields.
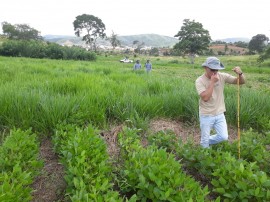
x=25 y=41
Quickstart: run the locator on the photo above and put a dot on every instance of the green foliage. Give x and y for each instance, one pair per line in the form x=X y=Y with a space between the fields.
x=258 y=43
x=20 y=31
x=45 y=93
x=193 y=38
x=241 y=44
x=253 y=149
x=240 y=181
x=114 y=40
x=15 y=185
x=154 y=51
x=152 y=174
x=264 y=55
x=20 y=147
x=85 y=158
x=93 y=26
x=19 y=165
x=163 y=140
x=36 y=49
x=174 y=61
x=251 y=116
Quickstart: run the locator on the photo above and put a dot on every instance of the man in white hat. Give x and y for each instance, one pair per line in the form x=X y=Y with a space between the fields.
x=210 y=87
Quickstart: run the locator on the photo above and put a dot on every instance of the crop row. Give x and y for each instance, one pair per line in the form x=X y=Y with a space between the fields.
x=19 y=165
x=152 y=174
x=87 y=170
x=138 y=174
x=232 y=179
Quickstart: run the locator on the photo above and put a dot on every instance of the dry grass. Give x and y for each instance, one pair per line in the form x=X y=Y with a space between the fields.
x=231 y=48
x=184 y=131
x=181 y=130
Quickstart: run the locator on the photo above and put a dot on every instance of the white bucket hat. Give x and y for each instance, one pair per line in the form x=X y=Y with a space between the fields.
x=213 y=63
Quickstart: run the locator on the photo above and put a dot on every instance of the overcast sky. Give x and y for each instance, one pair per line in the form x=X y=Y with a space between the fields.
x=222 y=18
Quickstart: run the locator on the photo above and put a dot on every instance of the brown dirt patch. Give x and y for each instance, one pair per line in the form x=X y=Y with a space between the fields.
x=111 y=140
x=231 y=48
x=180 y=129
x=184 y=131
x=49 y=185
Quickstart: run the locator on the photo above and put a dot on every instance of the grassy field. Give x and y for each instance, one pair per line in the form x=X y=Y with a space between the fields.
x=74 y=103
x=43 y=93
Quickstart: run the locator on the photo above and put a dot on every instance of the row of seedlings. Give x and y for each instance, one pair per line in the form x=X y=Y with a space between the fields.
x=87 y=168
x=152 y=174
x=19 y=165
x=232 y=179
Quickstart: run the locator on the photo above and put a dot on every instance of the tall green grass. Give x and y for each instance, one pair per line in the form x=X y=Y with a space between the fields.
x=43 y=93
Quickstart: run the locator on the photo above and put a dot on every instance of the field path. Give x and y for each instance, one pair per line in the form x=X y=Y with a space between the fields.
x=50 y=185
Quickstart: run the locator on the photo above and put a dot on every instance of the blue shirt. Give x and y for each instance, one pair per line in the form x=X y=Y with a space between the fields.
x=148 y=66
x=137 y=66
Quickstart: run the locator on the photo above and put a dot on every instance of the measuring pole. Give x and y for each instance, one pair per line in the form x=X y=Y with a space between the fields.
x=238 y=115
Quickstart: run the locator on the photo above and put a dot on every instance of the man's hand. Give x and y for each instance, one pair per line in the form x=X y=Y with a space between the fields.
x=237 y=70
x=214 y=77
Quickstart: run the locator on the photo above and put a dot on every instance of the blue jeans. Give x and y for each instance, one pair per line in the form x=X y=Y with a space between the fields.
x=218 y=123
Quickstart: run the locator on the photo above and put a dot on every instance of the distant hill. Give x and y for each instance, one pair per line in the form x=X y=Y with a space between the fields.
x=233 y=40
x=153 y=40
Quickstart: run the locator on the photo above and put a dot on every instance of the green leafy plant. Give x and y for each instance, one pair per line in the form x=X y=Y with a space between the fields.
x=241 y=181
x=19 y=164
x=84 y=155
x=153 y=174
x=163 y=139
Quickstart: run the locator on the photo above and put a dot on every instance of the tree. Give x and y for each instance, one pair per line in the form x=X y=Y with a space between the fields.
x=20 y=31
x=193 y=39
x=91 y=26
x=258 y=43
x=241 y=44
x=264 y=55
x=135 y=43
x=138 y=46
x=114 y=41
x=218 y=42
x=154 y=51
x=225 y=48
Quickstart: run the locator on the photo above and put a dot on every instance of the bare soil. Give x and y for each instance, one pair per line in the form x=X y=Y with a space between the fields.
x=185 y=131
x=231 y=48
x=50 y=184
x=111 y=140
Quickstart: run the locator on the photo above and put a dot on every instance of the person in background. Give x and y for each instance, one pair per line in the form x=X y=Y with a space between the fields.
x=148 y=66
x=137 y=65
x=210 y=87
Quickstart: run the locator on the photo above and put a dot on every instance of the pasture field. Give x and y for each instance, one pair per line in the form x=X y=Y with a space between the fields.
x=98 y=115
